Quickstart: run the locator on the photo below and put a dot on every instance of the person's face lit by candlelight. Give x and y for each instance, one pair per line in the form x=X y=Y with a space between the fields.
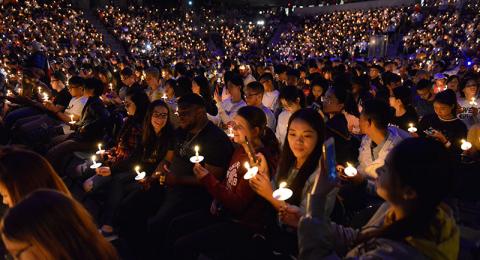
x=159 y=118
x=242 y=130
x=443 y=111
x=5 y=196
x=302 y=139
x=20 y=250
x=188 y=116
x=471 y=89
x=130 y=106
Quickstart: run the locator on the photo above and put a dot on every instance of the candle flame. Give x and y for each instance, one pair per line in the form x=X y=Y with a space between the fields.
x=282 y=184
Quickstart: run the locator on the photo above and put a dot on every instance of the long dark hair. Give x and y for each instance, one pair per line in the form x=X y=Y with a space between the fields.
x=61 y=227
x=23 y=171
x=141 y=101
x=149 y=138
x=287 y=159
x=257 y=118
x=415 y=163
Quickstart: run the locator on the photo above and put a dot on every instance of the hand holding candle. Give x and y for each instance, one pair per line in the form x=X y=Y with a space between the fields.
x=251 y=171
x=230 y=132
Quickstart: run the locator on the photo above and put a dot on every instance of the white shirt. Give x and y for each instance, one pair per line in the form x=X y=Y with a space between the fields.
x=75 y=106
x=270 y=99
x=271 y=122
x=466 y=114
x=282 y=125
x=228 y=109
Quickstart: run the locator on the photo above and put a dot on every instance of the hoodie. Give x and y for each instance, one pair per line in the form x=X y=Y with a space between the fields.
x=321 y=239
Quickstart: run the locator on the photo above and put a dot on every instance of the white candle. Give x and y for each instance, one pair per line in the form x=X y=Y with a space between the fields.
x=45 y=96
x=412 y=129
x=95 y=164
x=350 y=170
x=466 y=145
x=164 y=97
x=71 y=120
x=473 y=102
x=282 y=193
x=230 y=132
x=251 y=171
x=100 y=150
x=196 y=158
x=111 y=86
x=140 y=175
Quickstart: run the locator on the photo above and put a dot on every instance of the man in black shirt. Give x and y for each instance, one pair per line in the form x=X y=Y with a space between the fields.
x=184 y=193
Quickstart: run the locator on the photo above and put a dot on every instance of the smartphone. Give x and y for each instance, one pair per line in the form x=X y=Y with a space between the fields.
x=429 y=131
x=329 y=158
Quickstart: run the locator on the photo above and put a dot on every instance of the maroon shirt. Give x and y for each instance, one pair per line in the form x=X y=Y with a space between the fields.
x=234 y=194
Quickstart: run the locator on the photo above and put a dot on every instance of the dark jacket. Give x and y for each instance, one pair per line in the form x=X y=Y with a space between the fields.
x=93 y=121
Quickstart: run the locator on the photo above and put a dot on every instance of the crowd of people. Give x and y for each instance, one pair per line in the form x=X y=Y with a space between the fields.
x=259 y=150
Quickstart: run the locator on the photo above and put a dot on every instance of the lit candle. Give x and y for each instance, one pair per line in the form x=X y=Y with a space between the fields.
x=45 y=96
x=95 y=164
x=465 y=145
x=473 y=102
x=412 y=129
x=196 y=158
x=100 y=150
x=164 y=97
x=111 y=86
x=230 y=132
x=71 y=120
x=350 y=171
x=251 y=171
x=140 y=175
x=282 y=193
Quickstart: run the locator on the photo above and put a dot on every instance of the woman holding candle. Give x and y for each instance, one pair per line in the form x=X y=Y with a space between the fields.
x=129 y=140
x=405 y=113
x=61 y=229
x=236 y=212
x=298 y=166
x=413 y=223
x=156 y=147
x=444 y=126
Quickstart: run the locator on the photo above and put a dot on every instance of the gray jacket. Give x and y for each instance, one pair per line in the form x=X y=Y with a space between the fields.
x=321 y=239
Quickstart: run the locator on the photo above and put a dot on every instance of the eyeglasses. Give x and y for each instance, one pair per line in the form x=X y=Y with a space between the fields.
x=250 y=95
x=160 y=115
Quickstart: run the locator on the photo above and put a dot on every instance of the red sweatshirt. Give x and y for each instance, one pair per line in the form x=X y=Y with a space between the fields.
x=234 y=193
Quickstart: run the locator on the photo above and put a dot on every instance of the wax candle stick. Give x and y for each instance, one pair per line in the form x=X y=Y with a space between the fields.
x=100 y=150
x=196 y=158
x=411 y=128
x=140 y=175
x=282 y=193
x=350 y=170
x=95 y=164
x=465 y=145
x=251 y=171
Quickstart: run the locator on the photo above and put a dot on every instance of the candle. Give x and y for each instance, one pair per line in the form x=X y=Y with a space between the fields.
x=196 y=158
x=100 y=150
x=45 y=96
x=71 y=120
x=466 y=145
x=282 y=193
x=164 y=97
x=140 y=175
x=473 y=102
x=350 y=171
x=230 y=132
x=251 y=171
x=412 y=129
x=95 y=164
x=9 y=93
x=111 y=86
x=176 y=111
